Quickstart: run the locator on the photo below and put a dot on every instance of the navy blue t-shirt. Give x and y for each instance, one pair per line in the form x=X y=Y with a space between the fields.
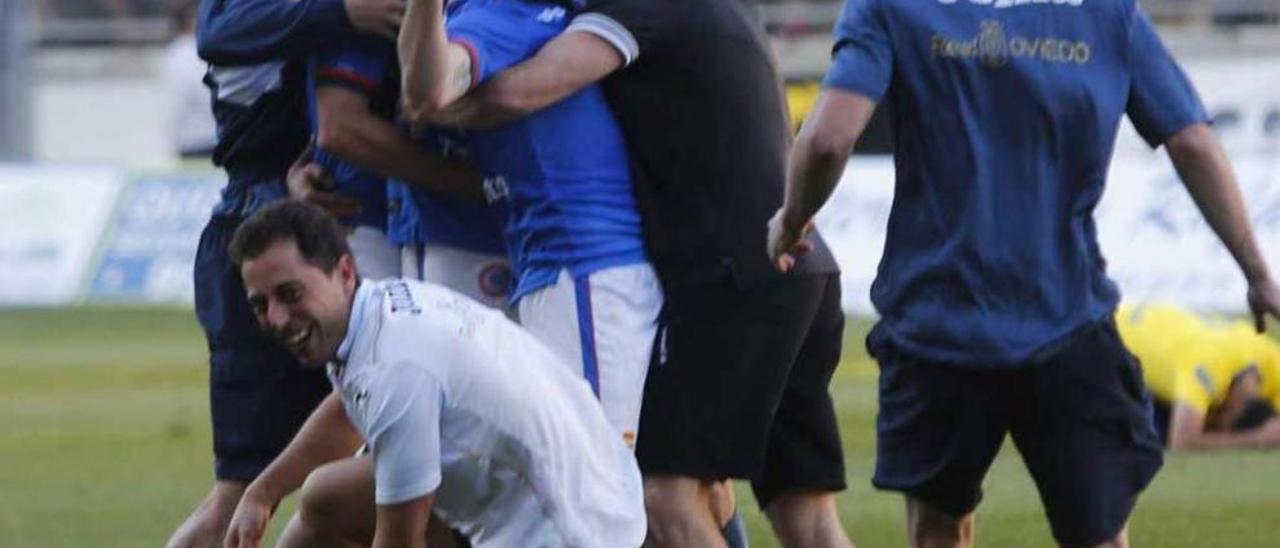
x=1005 y=114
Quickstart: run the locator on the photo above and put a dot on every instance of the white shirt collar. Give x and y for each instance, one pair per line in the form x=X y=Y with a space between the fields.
x=361 y=305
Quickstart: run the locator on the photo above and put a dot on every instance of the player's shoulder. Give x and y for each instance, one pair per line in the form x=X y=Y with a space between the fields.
x=991 y=7
x=528 y=11
x=414 y=313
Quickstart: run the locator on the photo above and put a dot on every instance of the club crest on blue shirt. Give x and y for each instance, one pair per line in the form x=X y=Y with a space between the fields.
x=993 y=49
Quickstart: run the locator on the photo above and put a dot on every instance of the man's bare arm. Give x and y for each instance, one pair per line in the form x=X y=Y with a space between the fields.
x=403 y=525
x=328 y=435
x=1187 y=432
x=433 y=72
x=1204 y=169
x=818 y=157
x=566 y=64
x=349 y=130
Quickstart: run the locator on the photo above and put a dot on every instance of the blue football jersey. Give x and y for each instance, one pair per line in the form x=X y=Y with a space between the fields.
x=1005 y=114
x=563 y=169
x=419 y=216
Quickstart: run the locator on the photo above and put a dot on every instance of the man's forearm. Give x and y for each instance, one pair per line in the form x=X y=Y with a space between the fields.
x=566 y=64
x=1204 y=440
x=812 y=176
x=433 y=73
x=377 y=146
x=1187 y=431
x=233 y=32
x=327 y=435
x=820 y=152
x=1201 y=163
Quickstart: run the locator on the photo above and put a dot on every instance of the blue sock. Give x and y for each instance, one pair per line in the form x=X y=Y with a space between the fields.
x=735 y=534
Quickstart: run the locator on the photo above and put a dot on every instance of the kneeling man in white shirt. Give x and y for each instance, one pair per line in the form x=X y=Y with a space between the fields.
x=467 y=415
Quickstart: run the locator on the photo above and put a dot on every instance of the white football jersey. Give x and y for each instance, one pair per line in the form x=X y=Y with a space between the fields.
x=455 y=399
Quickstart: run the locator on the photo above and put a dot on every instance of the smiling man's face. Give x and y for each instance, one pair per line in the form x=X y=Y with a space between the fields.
x=298 y=303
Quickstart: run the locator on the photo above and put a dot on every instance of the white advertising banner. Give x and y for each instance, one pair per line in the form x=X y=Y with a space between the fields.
x=50 y=221
x=1157 y=245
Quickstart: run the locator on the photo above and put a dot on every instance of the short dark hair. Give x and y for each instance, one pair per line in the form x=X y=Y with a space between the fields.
x=321 y=241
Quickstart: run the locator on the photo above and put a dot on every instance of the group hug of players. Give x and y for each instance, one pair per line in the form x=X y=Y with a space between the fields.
x=678 y=318
x=369 y=110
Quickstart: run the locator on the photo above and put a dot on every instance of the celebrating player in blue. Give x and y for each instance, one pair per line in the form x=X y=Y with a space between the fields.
x=574 y=233
x=452 y=239
x=994 y=300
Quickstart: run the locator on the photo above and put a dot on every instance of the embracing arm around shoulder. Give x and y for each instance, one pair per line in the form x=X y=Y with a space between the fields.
x=569 y=62
x=348 y=129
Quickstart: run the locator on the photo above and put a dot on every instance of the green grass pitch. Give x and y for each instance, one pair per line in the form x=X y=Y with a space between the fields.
x=104 y=441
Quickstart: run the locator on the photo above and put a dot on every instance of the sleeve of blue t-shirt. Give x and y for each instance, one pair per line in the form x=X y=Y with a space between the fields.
x=359 y=64
x=501 y=33
x=1161 y=99
x=862 y=58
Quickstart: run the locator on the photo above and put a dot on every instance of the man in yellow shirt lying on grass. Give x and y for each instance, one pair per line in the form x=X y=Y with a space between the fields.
x=1215 y=383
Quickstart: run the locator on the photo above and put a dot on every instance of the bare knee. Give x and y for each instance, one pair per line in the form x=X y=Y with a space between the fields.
x=928 y=527
x=337 y=499
x=807 y=519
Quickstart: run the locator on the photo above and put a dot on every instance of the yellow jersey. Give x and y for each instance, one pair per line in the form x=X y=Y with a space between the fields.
x=1189 y=360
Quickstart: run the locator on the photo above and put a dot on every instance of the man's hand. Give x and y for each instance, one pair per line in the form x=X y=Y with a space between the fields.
x=1264 y=300
x=787 y=240
x=381 y=17
x=248 y=523
x=308 y=181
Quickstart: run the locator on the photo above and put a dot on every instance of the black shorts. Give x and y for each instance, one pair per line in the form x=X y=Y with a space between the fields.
x=258 y=394
x=1081 y=420
x=738 y=386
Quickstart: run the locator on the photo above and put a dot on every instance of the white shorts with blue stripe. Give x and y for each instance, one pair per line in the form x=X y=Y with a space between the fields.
x=376 y=258
x=483 y=277
x=603 y=326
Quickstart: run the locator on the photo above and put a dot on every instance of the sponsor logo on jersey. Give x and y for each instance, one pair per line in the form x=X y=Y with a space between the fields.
x=1016 y=3
x=994 y=48
x=495 y=188
x=551 y=15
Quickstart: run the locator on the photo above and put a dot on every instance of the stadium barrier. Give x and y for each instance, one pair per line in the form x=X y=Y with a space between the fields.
x=95 y=235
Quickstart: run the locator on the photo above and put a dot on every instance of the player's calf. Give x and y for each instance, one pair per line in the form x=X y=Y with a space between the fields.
x=807 y=519
x=679 y=513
